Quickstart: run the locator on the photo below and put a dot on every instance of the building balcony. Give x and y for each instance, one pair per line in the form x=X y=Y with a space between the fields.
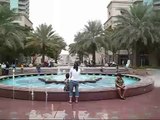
x=7 y=1
x=23 y=2
x=156 y=2
x=21 y=6
x=135 y=1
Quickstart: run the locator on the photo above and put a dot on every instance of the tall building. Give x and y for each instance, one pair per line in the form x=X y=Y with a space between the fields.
x=4 y=2
x=147 y=2
x=114 y=9
x=14 y=5
x=156 y=4
x=21 y=7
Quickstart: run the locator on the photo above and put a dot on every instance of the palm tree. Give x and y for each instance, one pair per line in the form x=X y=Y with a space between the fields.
x=56 y=50
x=77 y=47
x=108 y=44
x=154 y=47
x=45 y=39
x=12 y=35
x=92 y=38
x=134 y=29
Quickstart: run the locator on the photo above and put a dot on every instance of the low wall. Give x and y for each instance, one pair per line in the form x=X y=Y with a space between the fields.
x=105 y=70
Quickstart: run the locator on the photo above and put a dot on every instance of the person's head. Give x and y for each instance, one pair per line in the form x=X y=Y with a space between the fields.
x=75 y=66
x=67 y=75
x=119 y=76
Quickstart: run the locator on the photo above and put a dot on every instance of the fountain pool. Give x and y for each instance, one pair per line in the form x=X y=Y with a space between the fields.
x=29 y=87
x=34 y=82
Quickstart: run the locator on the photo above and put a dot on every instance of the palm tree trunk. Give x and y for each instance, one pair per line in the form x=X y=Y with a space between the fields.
x=105 y=54
x=153 y=60
x=94 y=57
x=56 y=60
x=43 y=58
x=135 y=55
x=43 y=54
x=56 y=57
x=113 y=57
x=34 y=59
x=93 y=54
x=117 y=57
x=81 y=58
x=128 y=53
x=135 y=61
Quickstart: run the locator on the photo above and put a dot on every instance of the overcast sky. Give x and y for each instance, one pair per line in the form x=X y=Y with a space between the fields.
x=67 y=16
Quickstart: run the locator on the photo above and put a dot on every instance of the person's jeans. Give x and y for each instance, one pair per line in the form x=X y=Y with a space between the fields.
x=72 y=85
x=38 y=70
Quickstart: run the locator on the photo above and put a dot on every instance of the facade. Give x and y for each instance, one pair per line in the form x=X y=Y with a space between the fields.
x=14 y=5
x=114 y=9
x=24 y=21
x=21 y=7
x=4 y=2
x=147 y=2
x=156 y=4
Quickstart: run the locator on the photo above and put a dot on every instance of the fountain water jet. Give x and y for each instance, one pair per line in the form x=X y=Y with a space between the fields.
x=64 y=71
x=59 y=71
x=46 y=96
x=13 y=78
x=32 y=94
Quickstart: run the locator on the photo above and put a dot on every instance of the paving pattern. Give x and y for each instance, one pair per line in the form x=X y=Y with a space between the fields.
x=146 y=106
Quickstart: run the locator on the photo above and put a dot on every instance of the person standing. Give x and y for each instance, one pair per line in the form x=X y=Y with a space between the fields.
x=22 y=68
x=74 y=82
x=3 y=66
x=38 y=67
x=66 y=87
x=7 y=68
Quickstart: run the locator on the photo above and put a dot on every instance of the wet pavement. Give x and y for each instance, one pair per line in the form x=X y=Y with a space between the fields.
x=146 y=106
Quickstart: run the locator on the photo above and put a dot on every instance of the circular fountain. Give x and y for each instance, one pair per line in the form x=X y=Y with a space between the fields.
x=49 y=87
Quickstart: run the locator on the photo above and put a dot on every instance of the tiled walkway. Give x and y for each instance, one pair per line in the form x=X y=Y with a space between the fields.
x=146 y=106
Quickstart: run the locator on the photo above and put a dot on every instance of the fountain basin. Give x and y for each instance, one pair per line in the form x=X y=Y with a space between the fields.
x=142 y=86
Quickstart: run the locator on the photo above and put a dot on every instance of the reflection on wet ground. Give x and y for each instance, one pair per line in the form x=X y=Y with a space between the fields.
x=146 y=106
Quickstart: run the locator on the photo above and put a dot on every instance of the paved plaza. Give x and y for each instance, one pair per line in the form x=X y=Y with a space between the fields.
x=146 y=106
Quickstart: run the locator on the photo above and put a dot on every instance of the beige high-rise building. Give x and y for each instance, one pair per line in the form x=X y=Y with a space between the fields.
x=21 y=7
x=4 y=2
x=156 y=4
x=114 y=9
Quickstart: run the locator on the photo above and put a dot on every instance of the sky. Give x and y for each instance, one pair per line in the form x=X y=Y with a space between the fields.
x=67 y=16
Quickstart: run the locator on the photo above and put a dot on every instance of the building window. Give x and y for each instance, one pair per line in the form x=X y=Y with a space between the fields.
x=122 y=12
x=109 y=13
